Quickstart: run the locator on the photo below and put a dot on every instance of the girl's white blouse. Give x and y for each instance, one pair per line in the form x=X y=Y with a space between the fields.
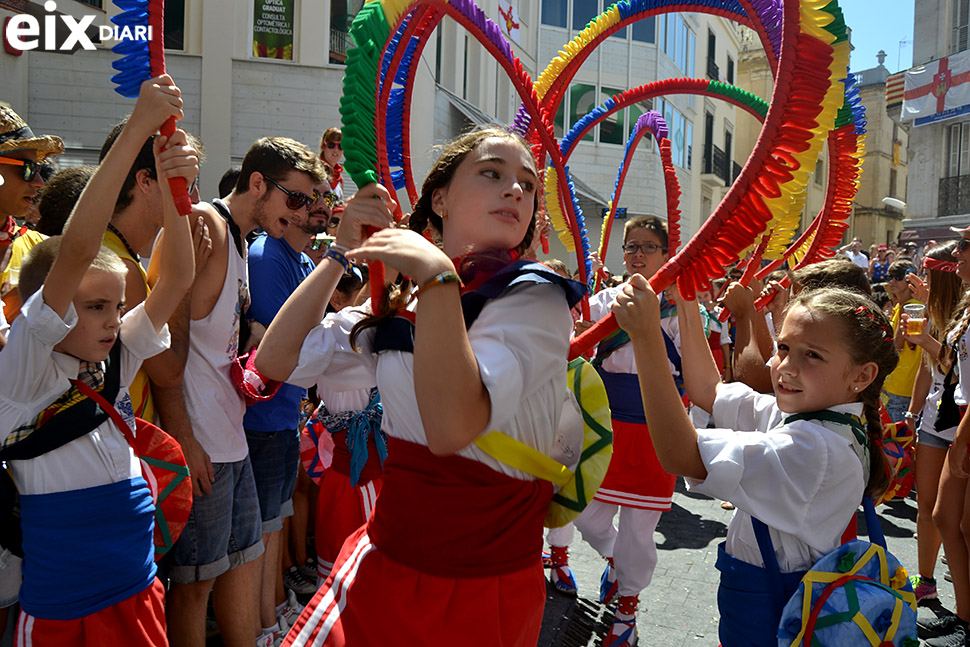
x=802 y=480
x=520 y=341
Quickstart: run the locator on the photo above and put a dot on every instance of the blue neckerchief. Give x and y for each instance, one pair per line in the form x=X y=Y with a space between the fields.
x=359 y=425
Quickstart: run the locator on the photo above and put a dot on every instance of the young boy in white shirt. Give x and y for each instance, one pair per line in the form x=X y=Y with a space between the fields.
x=86 y=511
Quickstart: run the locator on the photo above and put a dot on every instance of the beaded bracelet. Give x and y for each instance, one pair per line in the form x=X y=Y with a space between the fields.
x=339 y=257
x=439 y=279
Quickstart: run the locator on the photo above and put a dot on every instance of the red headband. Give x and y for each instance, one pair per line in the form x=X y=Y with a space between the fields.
x=940 y=266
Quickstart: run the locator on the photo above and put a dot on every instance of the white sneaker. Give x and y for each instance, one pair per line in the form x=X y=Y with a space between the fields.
x=274 y=639
x=288 y=615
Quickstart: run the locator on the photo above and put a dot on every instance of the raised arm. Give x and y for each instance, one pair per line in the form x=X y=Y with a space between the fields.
x=177 y=256
x=749 y=362
x=701 y=378
x=637 y=311
x=279 y=350
x=158 y=100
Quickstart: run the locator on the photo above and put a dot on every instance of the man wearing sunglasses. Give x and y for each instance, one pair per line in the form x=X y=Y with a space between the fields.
x=21 y=153
x=899 y=384
x=276 y=269
x=275 y=188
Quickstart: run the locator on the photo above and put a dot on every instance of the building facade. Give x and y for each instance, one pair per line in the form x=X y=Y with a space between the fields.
x=938 y=194
x=246 y=73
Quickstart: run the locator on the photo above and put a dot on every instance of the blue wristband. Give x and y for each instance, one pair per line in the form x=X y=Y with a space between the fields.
x=340 y=258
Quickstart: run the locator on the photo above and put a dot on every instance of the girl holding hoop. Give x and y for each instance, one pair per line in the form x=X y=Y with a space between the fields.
x=451 y=554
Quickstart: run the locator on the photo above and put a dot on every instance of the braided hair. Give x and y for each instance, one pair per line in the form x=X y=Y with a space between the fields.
x=868 y=338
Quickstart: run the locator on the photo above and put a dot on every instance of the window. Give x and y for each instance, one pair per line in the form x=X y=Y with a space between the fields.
x=681 y=134
x=678 y=41
x=730 y=70
x=100 y=5
x=958 y=149
x=892 y=183
x=819 y=172
x=645 y=30
x=712 y=71
x=583 y=12
x=464 y=72
x=582 y=99
x=174 y=23
x=612 y=129
x=961 y=21
x=554 y=13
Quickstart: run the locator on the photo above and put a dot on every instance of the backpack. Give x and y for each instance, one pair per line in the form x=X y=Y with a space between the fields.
x=858 y=595
x=583 y=457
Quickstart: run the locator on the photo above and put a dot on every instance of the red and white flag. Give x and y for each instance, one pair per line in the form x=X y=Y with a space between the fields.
x=938 y=91
x=509 y=21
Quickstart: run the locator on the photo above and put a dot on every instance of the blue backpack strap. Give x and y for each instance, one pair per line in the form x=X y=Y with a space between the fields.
x=876 y=535
x=775 y=587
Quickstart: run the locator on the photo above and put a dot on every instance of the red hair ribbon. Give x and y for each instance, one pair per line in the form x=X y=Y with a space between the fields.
x=939 y=266
x=886 y=331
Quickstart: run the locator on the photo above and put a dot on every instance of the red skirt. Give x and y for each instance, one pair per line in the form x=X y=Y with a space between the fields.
x=372 y=600
x=635 y=478
x=341 y=510
x=451 y=556
x=138 y=621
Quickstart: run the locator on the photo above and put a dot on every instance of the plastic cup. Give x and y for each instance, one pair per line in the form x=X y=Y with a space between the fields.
x=917 y=317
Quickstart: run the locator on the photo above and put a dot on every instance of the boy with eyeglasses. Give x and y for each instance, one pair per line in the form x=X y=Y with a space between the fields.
x=222 y=540
x=635 y=483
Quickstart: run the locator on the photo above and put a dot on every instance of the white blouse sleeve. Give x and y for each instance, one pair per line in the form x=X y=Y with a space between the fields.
x=327 y=356
x=794 y=478
x=520 y=341
x=738 y=406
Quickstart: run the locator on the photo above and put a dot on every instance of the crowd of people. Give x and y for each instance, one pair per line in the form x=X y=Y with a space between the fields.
x=247 y=328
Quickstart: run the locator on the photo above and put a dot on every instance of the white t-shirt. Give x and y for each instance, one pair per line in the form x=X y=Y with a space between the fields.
x=622 y=359
x=520 y=341
x=802 y=480
x=33 y=375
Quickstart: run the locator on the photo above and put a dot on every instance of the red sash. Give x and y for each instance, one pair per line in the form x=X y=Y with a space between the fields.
x=454 y=517
x=341 y=458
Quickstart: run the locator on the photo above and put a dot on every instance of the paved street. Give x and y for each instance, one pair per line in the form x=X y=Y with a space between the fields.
x=680 y=606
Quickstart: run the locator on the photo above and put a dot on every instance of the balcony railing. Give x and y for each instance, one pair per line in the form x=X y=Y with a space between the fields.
x=339 y=42
x=713 y=72
x=716 y=163
x=954 y=195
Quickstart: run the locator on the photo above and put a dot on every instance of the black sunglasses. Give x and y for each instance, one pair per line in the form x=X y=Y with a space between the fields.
x=646 y=248
x=962 y=244
x=333 y=145
x=31 y=169
x=901 y=275
x=295 y=199
x=330 y=198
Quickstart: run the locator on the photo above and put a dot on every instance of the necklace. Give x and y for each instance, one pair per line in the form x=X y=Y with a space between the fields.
x=124 y=242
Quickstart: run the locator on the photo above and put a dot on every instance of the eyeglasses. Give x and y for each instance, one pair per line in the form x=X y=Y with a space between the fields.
x=330 y=198
x=31 y=169
x=646 y=248
x=962 y=245
x=295 y=199
x=333 y=145
x=900 y=275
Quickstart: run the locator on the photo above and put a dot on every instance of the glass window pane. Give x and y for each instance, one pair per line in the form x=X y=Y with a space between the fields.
x=670 y=45
x=554 y=13
x=612 y=129
x=964 y=149
x=174 y=24
x=620 y=34
x=582 y=99
x=681 y=45
x=645 y=30
x=691 y=42
x=633 y=113
x=689 y=148
x=583 y=12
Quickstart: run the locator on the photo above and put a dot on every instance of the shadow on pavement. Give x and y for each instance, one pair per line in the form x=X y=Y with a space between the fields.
x=684 y=529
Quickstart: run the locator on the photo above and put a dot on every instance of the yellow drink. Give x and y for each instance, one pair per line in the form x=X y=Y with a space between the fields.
x=914 y=327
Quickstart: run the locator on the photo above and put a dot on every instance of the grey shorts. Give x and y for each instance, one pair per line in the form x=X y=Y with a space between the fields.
x=224 y=527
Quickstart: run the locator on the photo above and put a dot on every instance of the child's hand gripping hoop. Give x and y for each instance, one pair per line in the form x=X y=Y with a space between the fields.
x=141 y=61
